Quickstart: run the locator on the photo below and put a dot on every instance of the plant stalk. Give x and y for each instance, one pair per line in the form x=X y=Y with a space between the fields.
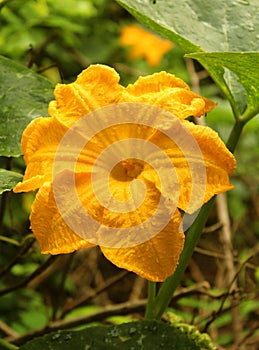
x=193 y=235
x=149 y=315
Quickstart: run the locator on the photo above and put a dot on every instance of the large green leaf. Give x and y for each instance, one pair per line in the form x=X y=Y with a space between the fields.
x=222 y=25
x=24 y=95
x=145 y=335
x=244 y=65
x=219 y=26
x=8 y=179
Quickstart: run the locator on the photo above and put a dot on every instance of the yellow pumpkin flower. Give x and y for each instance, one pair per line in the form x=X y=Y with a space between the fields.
x=144 y=44
x=76 y=171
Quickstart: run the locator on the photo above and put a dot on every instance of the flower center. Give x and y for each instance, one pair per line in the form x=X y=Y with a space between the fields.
x=127 y=169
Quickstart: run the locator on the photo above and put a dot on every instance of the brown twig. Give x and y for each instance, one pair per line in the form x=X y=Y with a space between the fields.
x=65 y=272
x=107 y=284
x=137 y=288
x=35 y=53
x=7 y=330
x=226 y=240
x=212 y=228
x=25 y=246
x=31 y=277
x=221 y=256
x=128 y=70
x=230 y=292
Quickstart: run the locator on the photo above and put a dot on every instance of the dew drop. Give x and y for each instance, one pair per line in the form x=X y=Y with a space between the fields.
x=132 y=330
x=68 y=337
x=55 y=336
x=114 y=332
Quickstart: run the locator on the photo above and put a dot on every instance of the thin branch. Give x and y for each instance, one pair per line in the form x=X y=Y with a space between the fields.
x=35 y=53
x=31 y=277
x=64 y=274
x=7 y=330
x=107 y=284
x=195 y=82
x=226 y=240
x=137 y=288
x=24 y=247
x=221 y=256
x=212 y=228
x=230 y=288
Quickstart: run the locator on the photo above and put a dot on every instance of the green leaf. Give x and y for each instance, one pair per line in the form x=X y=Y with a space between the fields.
x=244 y=65
x=222 y=25
x=146 y=335
x=24 y=95
x=8 y=179
x=225 y=26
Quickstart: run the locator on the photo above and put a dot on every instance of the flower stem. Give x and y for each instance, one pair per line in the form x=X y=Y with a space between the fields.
x=169 y=286
x=149 y=315
x=238 y=127
x=235 y=135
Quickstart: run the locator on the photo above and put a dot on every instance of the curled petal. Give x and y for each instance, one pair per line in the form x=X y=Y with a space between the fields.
x=218 y=160
x=155 y=83
x=95 y=87
x=170 y=93
x=155 y=259
x=201 y=160
x=52 y=233
x=39 y=144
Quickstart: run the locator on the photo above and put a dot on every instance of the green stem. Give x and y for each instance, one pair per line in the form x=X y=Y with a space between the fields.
x=193 y=235
x=235 y=134
x=5 y=345
x=149 y=315
x=10 y=241
x=249 y=114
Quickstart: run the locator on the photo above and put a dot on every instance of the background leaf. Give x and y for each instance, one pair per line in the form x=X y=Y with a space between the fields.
x=196 y=26
x=244 y=65
x=8 y=179
x=225 y=25
x=24 y=95
x=144 y=335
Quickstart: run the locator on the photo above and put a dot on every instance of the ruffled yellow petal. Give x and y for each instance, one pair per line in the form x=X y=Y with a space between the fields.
x=213 y=164
x=166 y=91
x=48 y=221
x=52 y=233
x=155 y=259
x=219 y=161
x=156 y=82
x=97 y=86
x=39 y=144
